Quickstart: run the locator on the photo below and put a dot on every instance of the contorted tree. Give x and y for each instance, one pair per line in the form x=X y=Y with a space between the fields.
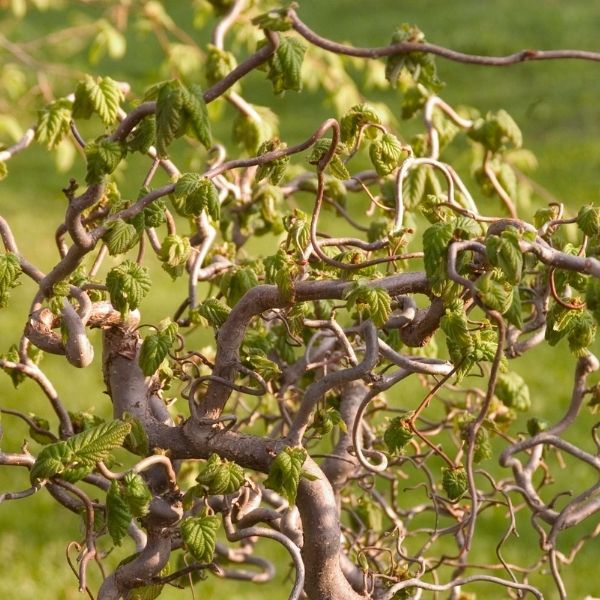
x=293 y=425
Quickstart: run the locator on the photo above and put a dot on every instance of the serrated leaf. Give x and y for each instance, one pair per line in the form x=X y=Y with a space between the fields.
x=435 y=243
x=503 y=251
x=101 y=95
x=414 y=187
x=497 y=295
x=264 y=366
x=581 y=333
x=298 y=229
x=397 y=434
x=454 y=482
x=220 y=476
x=235 y=284
x=275 y=169
x=143 y=136
x=118 y=515
x=214 y=311
x=386 y=154
x=51 y=461
x=588 y=220
x=497 y=132
x=285 y=66
x=95 y=444
x=326 y=419
x=482 y=448
x=135 y=493
x=194 y=193
x=170 y=119
x=285 y=472
x=335 y=165
x=10 y=271
x=102 y=157
x=512 y=390
x=420 y=65
x=154 y=213
x=219 y=63
x=195 y=112
x=155 y=348
x=514 y=315
x=127 y=285
x=54 y=123
x=175 y=250
x=375 y=300
x=121 y=237
x=279 y=270
x=454 y=325
x=354 y=120
x=200 y=536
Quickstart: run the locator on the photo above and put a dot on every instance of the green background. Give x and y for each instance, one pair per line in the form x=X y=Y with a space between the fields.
x=556 y=105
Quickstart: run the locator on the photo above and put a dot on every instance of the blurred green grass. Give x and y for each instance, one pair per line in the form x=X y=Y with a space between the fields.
x=556 y=105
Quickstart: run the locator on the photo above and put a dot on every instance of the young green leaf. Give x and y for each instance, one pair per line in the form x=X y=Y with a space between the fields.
x=220 y=476
x=454 y=482
x=274 y=170
x=174 y=253
x=101 y=95
x=497 y=132
x=279 y=270
x=588 y=220
x=497 y=295
x=285 y=472
x=503 y=251
x=219 y=63
x=155 y=348
x=435 y=243
x=397 y=434
x=170 y=118
x=200 y=536
x=419 y=65
x=326 y=419
x=264 y=366
x=120 y=237
x=143 y=136
x=95 y=444
x=54 y=123
x=118 y=515
x=127 y=285
x=51 y=461
x=355 y=120
x=10 y=271
x=135 y=493
x=235 y=284
x=386 y=154
x=375 y=301
x=194 y=193
x=285 y=66
x=102 y=156
x=214 y=311
x=196 y=115
x=581 y=333
x=336 y=165
x=513 y=391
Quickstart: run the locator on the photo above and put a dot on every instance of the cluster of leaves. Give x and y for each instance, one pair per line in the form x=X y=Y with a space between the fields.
x=77 y=456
